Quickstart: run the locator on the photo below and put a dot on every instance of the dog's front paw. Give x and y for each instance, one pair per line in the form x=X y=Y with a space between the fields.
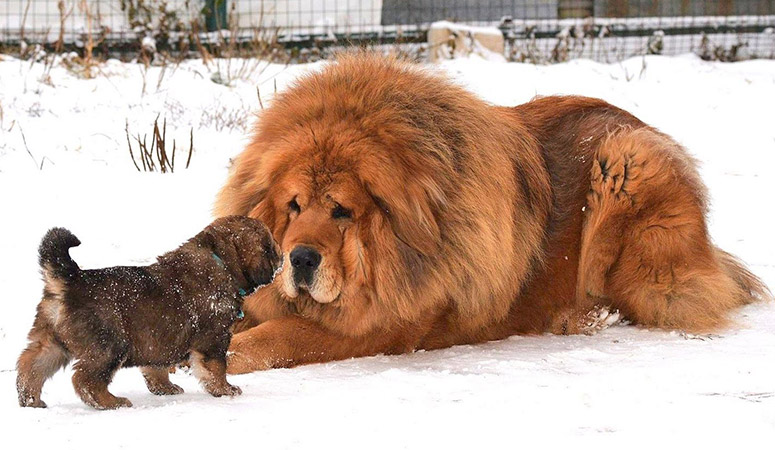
x=247 y=354
x=238 y=363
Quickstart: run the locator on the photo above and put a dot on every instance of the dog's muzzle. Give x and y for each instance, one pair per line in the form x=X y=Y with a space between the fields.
x=305 y=262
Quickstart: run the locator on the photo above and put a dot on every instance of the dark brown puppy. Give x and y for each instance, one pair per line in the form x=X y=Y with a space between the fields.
x=155 y=316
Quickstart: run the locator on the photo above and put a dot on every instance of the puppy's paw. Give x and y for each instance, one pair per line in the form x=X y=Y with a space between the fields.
x=157 y=379
x=30 y=402
x=225 y=389
x=234 y=391
x=115 y=403
x=123 y=402
x=165 y=389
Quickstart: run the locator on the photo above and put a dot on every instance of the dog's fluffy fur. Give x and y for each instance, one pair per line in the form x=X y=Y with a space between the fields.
x=443 y=220
x=156 y=316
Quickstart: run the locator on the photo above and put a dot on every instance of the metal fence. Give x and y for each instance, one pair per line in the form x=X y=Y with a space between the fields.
x=538 y=30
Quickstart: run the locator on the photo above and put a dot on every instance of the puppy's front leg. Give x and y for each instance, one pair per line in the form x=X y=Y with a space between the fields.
x=210 y=369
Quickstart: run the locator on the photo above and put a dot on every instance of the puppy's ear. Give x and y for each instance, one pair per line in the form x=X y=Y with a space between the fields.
x=219 y=240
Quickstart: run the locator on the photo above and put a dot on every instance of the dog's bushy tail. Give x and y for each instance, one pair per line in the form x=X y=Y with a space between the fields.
x=54 y=256
x=751 y=288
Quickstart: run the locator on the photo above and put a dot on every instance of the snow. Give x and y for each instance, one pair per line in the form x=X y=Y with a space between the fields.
x=622 y=386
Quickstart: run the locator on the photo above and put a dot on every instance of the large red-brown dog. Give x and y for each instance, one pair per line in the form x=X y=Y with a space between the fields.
x=413 y=215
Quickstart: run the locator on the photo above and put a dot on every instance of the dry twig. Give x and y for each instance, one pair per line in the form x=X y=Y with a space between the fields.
x=157 y=156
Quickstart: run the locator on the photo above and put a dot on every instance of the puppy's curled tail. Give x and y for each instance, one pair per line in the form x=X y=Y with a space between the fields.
x=54 y=256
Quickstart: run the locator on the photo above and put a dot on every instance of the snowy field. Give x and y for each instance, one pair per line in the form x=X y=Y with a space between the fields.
x=623 y=386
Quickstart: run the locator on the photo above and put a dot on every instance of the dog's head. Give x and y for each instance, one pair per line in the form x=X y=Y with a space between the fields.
x=246 y=248
x=349 y=213
x=352 y=184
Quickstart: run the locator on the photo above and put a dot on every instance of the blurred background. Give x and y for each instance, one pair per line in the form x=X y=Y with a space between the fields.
x=541 y=31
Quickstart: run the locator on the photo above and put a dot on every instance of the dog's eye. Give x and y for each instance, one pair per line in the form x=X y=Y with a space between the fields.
x=340 y=212
x=294 y=206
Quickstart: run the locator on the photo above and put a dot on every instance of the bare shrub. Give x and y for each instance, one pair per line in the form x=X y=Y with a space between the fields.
x=710 y=51
x=223 y=117
x=157 y=157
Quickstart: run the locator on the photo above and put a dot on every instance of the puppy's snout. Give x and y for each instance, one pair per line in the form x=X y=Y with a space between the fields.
x=305 y=261
x=275 y=255
x=270 y=262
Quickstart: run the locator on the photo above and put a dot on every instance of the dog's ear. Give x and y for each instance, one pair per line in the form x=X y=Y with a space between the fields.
x=411 y=217
x=219 y=240
x=247 y=183
x=406 y=187
x=264 y=211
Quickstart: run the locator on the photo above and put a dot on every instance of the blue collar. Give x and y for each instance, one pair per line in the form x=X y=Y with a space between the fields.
x=219 y=260
x=242 y=292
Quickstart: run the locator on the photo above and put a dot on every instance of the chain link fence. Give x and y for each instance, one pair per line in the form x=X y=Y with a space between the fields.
x=533 y=30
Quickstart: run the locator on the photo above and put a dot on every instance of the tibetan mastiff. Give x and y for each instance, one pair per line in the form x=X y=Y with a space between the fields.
x=414 y=215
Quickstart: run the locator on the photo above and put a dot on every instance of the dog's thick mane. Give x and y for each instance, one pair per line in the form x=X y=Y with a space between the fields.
x=424 y=133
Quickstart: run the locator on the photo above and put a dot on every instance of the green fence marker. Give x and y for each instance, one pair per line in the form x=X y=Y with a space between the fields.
x=215 y=15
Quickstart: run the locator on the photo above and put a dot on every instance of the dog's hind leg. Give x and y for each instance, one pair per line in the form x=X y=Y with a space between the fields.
x=157 y=379
x=93 y=372
x=38 y=362
x=645 y=244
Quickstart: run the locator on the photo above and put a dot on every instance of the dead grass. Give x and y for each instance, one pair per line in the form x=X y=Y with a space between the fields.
x=156 y=157
x=227 y=118
x=711 y=51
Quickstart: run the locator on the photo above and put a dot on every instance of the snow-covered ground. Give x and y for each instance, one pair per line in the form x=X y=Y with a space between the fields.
x=625 y=385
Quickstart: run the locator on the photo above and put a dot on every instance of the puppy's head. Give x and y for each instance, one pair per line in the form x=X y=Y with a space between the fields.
x=246 y=248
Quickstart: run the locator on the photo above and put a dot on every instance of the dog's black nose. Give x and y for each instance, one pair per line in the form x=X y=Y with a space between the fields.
x=305 y=260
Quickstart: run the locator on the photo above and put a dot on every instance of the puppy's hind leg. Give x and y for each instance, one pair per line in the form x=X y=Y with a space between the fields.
x=93 y=372
x=157 y=379
x=38 y=362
